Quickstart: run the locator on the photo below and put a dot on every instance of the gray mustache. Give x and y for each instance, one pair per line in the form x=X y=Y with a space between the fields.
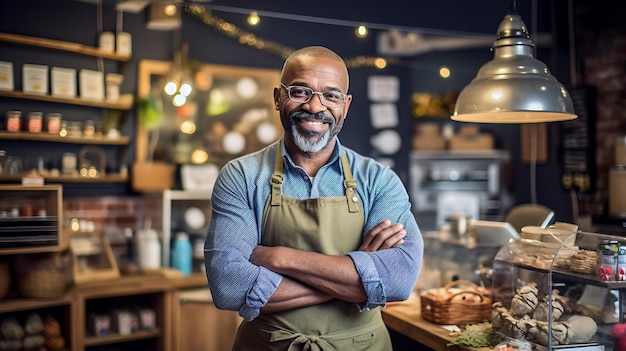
x=317 y=116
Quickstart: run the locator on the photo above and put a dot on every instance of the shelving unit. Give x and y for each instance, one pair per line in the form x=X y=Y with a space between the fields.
x=185 y=198
x=124 y=104
x=23 y=234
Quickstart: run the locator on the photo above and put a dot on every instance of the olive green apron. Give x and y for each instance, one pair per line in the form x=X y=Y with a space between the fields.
x=333 y=226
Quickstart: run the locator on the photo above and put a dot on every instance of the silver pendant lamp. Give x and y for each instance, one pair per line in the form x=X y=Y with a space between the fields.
x=514 y=87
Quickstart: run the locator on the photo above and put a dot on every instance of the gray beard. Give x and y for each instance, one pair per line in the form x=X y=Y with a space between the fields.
x=306 y=144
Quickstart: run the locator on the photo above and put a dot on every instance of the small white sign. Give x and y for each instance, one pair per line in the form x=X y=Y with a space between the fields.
x=387 y=142
x=35 y=79
x=383 y=88
x=384 y=115
x=6 y=75
x=63 y=82
x=91 y=84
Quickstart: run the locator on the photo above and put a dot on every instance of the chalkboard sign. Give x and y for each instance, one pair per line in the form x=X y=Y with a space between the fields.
x=578 y=140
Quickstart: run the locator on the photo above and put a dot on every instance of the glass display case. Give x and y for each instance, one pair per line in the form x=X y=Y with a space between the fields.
x=561 y=294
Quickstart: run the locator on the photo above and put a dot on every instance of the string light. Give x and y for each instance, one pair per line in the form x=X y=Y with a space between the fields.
x=246 y=38
x=444 y=72
x=254 y=19
x=361 y=31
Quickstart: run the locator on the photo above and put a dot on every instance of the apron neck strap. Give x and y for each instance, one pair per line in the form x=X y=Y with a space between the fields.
x=277 y=178
x=276 y=181
x=350 y=184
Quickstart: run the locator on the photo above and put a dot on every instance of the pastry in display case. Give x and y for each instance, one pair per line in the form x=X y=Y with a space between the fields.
x=561 y=293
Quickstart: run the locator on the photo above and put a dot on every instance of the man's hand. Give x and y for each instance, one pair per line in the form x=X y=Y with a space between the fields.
x=265 y=255
x=383 y=236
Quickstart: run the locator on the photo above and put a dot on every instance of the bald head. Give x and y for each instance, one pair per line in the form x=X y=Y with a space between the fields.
x=312 y=52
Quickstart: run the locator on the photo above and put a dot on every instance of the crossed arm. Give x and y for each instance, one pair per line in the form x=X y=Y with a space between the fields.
x=311 y=278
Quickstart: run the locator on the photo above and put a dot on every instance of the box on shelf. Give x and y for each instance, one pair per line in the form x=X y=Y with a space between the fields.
x=35 y=79
x=107 y=42
x=123 y=44
x=6 y=75
x=98 y=324
x=91 y=84
x=428 y=137
x=469 y=138
x=63 y=82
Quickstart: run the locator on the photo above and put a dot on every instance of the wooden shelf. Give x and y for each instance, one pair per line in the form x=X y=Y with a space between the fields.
x=62 y=46
x=125 y=102
x=55 y=138
x=109 y=178
x=31 y=250
x=117 y=338
x=19 y=304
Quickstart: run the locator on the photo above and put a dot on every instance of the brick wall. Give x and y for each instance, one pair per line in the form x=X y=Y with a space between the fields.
x=601 y=57
x=113 y=215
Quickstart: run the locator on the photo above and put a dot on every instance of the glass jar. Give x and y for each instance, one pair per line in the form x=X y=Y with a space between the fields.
x=14 y=121
x=53 y=123
x=75 y=130
x=34 y=122
x=90 y=129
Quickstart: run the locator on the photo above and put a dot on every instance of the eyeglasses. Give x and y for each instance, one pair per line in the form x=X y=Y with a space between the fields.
x=302 y=95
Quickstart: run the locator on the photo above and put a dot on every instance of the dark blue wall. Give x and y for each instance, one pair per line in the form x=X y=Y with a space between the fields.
x=76 y=21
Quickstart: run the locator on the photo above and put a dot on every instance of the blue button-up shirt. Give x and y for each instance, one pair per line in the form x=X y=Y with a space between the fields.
x=238 y=200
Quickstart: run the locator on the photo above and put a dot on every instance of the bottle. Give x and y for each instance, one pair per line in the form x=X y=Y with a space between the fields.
x=148 y=249
x=182 y=253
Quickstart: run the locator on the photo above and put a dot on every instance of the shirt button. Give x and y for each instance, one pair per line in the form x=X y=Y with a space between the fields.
x=355 y=199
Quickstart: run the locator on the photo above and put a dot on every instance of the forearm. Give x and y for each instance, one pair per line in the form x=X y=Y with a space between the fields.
x=333 y=275
x=292 y=294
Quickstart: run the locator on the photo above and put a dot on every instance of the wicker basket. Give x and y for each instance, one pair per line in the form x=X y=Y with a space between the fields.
x=458 y=302
x=584 y=261
x=43 y=275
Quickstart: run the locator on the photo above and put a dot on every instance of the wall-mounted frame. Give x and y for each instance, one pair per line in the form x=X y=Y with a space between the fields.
x=93 y=258
x=232 y=110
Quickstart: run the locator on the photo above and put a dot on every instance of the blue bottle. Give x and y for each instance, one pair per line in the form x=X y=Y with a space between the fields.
x=182 y=253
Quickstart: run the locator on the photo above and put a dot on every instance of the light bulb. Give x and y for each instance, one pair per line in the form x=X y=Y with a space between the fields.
x=361 y=31
x=188 y=127
x=179 y=100
x=185 y=89
x=254 y=19
x=170 y=88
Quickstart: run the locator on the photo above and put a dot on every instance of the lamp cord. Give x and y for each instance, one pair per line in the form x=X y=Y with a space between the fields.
x=99 y=60
x=533 y=162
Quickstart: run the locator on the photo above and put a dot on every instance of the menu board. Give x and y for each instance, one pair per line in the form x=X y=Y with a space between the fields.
x=578 y=138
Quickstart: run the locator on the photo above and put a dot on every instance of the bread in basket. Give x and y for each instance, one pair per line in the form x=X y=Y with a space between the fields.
x=458 y=302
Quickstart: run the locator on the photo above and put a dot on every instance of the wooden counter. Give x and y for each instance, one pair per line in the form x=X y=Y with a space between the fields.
x=405 y=318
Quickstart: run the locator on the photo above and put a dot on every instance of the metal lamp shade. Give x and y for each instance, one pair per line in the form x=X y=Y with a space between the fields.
x=514 y=87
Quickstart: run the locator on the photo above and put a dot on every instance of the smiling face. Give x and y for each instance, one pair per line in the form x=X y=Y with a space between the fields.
x=311 y=127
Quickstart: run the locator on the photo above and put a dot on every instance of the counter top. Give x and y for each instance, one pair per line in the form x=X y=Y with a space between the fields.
x=405 y=318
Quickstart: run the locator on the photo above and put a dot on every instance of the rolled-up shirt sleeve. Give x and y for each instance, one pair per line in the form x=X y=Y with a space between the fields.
x=235 y=283
x=389 y=275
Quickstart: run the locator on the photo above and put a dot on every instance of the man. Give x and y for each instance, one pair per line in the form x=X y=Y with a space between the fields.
x=308 y=238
